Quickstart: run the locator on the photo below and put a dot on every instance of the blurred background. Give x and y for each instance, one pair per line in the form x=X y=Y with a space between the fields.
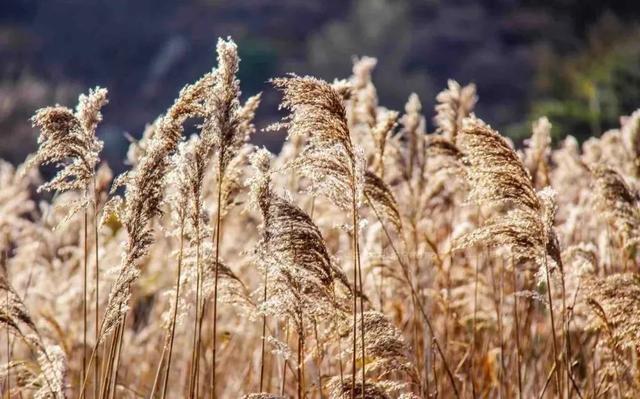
x=576 y=61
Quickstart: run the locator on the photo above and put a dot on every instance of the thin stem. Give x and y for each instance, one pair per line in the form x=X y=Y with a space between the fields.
x=548 y=380
x=354 y=214
x=156 y=379
x=84 y=293
x=320 y=356
x=203 y=313
x=196 y=328
x=118 y=356
x=362 y=328
x=553 y=328
x=497 y=300
x=264 y=331
x=473 y=328
x=96 y=366
x=95 y=349
x=106 y=378
x=215 y=283
x=300 y=367
x=339 y=339
x=174 y=315
x=517 y=330
x=201 y=306
x=284 y=365
x=6 y=268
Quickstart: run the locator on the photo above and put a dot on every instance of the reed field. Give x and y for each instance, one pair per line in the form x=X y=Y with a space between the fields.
x=369 y=258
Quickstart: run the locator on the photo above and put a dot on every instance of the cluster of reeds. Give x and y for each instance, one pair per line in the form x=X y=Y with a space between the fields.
x=370 y=258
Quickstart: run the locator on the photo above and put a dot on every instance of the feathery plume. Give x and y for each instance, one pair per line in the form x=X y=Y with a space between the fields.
x=68 y=139
x=387 y=353
x=329 y=159
x=340 y=388
x=615 y=302
x=630 y=132
x=382 y=198
x=616 y=201
x=227 y=127
x=144 y=194
x=537 y=152
x=413 y=131
x=290 y=239
x=51 y=359
x=495 y=173
x=454 y=104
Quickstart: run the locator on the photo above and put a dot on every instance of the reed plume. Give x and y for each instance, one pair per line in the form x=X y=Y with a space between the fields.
x=329 y=159
x=297 y=267
x=387 y=353
x=614 y=302
x=617 y=203
x=498 y=178
x=413 y=131
x=454 y=104
x=226 y=128
x=538 y=151
x=144 y=193
x=49 y=380
x=630 y=132
x=341 y=389
x=69 y=139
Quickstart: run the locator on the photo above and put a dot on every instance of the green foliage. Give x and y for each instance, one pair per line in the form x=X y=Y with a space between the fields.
x=584 y=93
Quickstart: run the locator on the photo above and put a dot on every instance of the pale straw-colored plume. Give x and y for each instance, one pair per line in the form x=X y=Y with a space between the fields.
x=380 y=197
x=616 y=201
x=381 y=133
x=68 y=140
x=144 y=194
x=496 y=174
x=537 y=152
x=630 y=132
x=328 y=159
x=364 y=99
x=340 y=388
x=499 y=179
x=523 y=219
x=292 y=245
x=413 y=132
x=442 y=155
x=49 y=380
x=228 y=124
x=53 y=365
x=615 y=303
x=138 y=147
x=15 y=315
x=386 y=351
x=335 y=168
x=454 y=104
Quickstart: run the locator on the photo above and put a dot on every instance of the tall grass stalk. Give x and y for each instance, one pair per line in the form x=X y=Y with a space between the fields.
x=215 y=281
x=174 y=315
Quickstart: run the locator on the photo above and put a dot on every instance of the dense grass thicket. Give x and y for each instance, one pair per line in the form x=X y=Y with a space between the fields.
x=369 y=259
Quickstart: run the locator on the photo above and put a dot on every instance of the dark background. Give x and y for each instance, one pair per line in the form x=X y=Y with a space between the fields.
x=577 y=61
